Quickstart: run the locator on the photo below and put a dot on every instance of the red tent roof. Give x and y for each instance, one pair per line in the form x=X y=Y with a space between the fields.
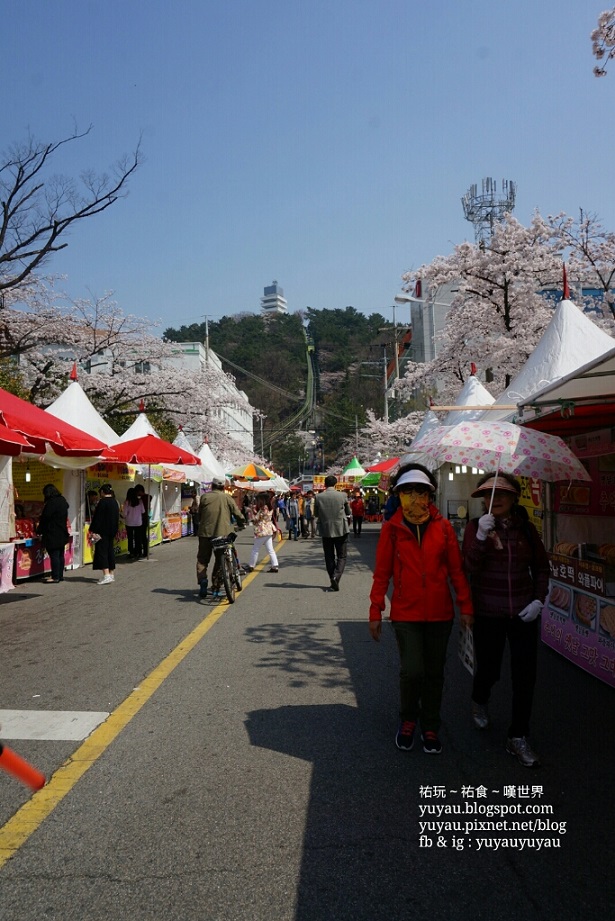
x=384 y=466
x=42 y=429
x=148 y=450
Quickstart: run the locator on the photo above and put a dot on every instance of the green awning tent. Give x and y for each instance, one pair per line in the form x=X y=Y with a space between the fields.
x=371 y=479
x=353 y=470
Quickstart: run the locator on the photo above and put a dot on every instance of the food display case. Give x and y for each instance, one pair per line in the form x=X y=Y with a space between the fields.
x=578 y=619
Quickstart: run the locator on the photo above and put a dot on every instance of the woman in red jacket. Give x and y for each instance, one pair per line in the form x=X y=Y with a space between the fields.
x=418 y=549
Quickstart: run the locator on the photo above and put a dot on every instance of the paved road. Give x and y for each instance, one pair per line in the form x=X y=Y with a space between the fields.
x=252 y=774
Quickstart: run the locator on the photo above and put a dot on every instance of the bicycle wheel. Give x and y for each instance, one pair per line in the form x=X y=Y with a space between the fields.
x=227 y=578
x=236 y=571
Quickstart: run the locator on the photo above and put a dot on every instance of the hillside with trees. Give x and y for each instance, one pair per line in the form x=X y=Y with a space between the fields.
x=268 y=358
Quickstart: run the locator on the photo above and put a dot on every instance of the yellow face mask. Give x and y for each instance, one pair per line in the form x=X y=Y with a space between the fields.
x=415 y=506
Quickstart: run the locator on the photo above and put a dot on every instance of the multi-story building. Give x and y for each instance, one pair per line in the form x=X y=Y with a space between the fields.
x=235 y=419
x=273 y=300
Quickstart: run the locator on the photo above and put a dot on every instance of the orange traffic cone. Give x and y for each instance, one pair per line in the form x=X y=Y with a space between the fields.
x=21 y=769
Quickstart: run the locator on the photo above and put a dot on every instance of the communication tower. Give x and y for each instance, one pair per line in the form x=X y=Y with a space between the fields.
x=488 y=207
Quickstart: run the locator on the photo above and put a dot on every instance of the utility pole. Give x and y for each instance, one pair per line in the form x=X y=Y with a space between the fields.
x=386 y=382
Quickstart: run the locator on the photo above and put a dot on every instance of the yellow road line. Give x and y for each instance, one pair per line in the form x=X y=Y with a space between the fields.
x=29 y=817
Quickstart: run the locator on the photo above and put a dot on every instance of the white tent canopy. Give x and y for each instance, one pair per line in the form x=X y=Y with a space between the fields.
x=210 y=465
x=570 y=341
x=140 y=427
x=74 y=406
x=592 y=382
x=471 y=394
x=429 y=423
x=194 y=472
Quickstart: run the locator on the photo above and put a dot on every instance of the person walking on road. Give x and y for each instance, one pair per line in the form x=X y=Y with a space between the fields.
x=509 y=573
x=357 y=507
x=216 y=513
x=264 y=530
x=292 y=517
x=332 y=510
x=309 y=513
x=53 y=530
x=103 y=530
x=418 y=549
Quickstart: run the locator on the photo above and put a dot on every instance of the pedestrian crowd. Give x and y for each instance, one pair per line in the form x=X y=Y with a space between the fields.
x=497 y=580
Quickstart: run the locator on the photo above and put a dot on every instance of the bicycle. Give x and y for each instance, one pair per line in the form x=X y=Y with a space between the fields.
x=227 y=568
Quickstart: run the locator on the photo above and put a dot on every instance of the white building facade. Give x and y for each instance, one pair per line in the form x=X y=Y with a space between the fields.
x=234 y=419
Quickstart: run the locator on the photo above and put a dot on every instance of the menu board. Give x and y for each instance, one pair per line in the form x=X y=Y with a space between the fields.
x=578 y=619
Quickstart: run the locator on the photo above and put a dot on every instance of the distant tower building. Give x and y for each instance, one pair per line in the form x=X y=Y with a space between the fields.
x=488 y=208
x=273 y=300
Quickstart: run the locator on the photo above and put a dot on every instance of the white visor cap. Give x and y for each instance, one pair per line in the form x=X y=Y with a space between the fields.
x=415 y=476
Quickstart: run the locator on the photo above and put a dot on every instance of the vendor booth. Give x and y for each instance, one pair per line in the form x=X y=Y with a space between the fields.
x=579 y=619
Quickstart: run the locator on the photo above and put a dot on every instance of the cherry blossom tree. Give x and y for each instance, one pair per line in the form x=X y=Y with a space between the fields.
x=603 y=41
x=590 y=253
x=498 y=314
x=379 y=437
x=38 y=206
x=122 y=364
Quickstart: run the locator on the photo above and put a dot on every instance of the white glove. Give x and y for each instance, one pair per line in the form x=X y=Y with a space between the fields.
x=485 y=525
x=531 y=612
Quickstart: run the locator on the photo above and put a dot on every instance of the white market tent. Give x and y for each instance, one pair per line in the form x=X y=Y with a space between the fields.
x=140 y=427
x=429 y=423
x=473 y=393
x=194 y=472
x=211 y=466
x=74 y=406
x=568 y=343
x=578 y=402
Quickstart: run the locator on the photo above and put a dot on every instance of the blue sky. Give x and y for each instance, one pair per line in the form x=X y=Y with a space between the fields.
x=324 y=144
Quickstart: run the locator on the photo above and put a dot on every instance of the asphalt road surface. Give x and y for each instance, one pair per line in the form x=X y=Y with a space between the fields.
x=247 y=770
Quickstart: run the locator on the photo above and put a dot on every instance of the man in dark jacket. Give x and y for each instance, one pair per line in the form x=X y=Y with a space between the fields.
x=332 y=510
x=216 y=513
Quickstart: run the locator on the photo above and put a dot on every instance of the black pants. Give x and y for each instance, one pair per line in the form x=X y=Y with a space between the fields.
x=335 y=555
x=56 y=558
x=357 y=523
x=422 y=655
x=135 y=548
x=104 y=553
x=490 y=636
x=144 y=538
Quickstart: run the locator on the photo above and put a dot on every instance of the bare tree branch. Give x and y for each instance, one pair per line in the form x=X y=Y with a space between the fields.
x=36 y=209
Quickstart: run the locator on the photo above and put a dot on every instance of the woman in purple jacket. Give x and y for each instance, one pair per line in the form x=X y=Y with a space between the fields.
x=508 y=570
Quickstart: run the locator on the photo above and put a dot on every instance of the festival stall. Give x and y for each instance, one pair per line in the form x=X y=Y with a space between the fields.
x=74 y=406
x=579 y=618
x=375 y=486
x=61 y=446
x=149 y=452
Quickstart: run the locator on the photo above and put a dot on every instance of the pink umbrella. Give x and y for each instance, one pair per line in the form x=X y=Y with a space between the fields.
x=503 y=446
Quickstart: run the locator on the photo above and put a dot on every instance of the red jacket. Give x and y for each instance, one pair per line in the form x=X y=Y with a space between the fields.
x=420 y=573
x=357 y=507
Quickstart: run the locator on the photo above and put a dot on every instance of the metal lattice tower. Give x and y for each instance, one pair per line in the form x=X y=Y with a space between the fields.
x=486 y=209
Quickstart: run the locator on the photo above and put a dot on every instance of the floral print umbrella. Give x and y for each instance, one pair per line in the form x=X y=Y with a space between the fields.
x=503 y=446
